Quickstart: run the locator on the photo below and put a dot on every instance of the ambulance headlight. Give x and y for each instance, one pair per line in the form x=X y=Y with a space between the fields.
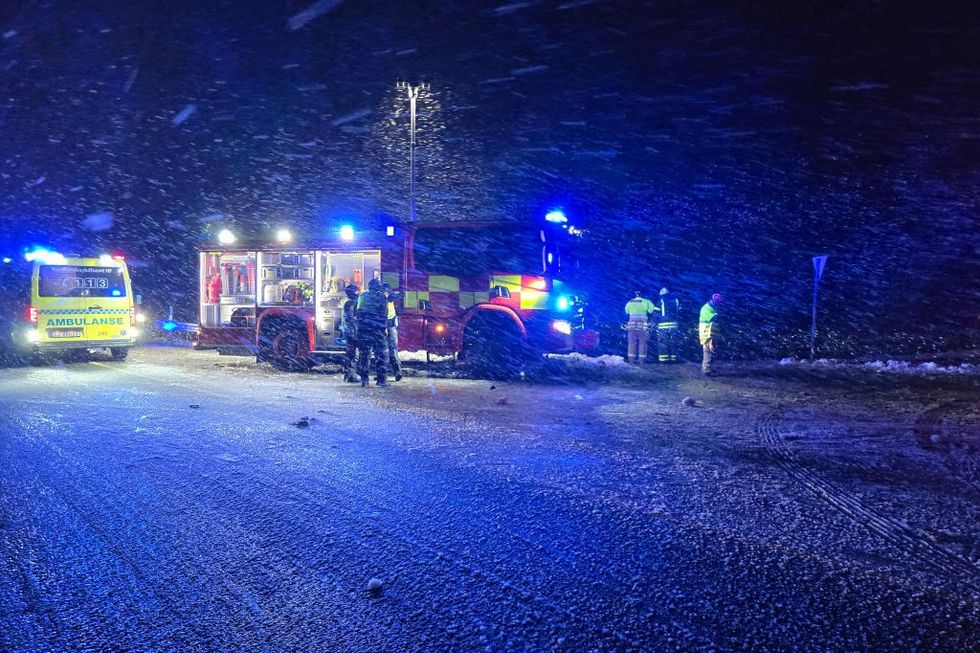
x=562 y=326
x=140 y=317
x=134 y=333
x=31 y=335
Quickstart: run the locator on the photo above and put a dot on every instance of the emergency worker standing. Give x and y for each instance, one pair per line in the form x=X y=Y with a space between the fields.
x=709 y=332
x=638 y=311
x=348 y=327
x=392 y=332
x=667 y=327
x=372 y=320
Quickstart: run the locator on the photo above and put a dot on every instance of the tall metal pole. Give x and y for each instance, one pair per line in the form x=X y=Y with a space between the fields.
x=413 y=96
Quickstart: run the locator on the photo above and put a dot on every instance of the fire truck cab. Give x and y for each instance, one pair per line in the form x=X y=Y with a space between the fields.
x=485 y=292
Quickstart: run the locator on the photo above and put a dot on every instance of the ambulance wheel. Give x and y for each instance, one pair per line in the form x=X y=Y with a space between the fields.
x=119 y=353
x=12 y=358
x=290 y=351
x=40 y=359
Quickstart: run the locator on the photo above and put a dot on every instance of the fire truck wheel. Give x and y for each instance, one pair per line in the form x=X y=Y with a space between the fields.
x=493 y=348
x=290 y=351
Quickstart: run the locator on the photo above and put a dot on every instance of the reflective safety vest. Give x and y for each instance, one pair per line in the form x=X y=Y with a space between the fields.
x=638 y=309
x=372 y=309
x=708 y=326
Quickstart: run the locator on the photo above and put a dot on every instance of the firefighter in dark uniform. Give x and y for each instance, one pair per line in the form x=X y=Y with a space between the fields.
x=391 y=336
x=348 y=327
x=372 y=324
x=668 y=332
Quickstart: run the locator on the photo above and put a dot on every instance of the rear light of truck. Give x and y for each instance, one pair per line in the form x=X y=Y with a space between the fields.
x=32 y=314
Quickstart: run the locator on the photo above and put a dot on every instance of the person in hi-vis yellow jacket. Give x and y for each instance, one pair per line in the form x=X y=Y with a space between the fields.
x=638 y=311
x=709 y=332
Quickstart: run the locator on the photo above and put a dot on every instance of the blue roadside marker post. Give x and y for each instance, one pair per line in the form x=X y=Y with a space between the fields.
x=819 y=262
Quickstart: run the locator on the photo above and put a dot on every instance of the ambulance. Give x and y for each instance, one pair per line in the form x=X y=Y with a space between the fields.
x=76 y=304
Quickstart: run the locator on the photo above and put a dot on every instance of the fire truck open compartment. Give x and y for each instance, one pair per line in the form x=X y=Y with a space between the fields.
x=227 y=282
x=237 y=286
x=335 y=271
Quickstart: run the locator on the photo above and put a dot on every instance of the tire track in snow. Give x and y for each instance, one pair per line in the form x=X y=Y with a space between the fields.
x=931 y=422
x=932 y=555
x=380 y=500
x=96 y=505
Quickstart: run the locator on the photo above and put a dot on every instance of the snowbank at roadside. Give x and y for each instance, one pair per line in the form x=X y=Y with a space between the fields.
x=581 y=360
x=889 y=366
x=419 y=357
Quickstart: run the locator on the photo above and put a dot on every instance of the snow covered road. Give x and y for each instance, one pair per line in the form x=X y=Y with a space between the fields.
x=171 y=503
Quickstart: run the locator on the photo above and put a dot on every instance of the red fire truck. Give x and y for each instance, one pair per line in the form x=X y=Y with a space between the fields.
x=488 y=294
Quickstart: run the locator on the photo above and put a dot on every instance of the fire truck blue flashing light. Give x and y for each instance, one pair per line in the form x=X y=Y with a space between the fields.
x=168 y=325
x=557 y=216
x=7 y=259
x=563 y=303
x=346 y=232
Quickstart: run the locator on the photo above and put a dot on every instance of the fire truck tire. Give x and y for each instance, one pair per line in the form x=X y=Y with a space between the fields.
x=494 y=348
x=285 y=346
x=119 y=353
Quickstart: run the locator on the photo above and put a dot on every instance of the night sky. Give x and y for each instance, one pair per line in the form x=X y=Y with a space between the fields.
x=705 y=145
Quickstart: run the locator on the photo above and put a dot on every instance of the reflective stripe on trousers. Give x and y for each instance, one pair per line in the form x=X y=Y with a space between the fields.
x=667 y=341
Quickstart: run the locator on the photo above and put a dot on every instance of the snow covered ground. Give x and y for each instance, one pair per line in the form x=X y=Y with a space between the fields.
x=903 y=367
x=188 y=501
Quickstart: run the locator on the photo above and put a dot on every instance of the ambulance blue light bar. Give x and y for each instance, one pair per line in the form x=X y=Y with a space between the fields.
x=44 y=255
x=556 y=216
